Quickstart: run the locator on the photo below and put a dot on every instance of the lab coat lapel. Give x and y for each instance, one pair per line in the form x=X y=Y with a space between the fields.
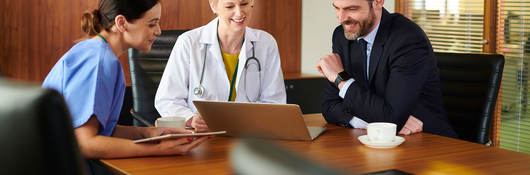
x=209 y=36
x=246 y=51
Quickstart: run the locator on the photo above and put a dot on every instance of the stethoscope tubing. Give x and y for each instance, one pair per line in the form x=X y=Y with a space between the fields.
x=199 y=90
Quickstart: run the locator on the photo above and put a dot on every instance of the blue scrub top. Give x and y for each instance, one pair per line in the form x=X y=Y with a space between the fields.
x=90 y=78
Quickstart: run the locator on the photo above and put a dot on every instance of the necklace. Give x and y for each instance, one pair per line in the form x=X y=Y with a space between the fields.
x=103 y=38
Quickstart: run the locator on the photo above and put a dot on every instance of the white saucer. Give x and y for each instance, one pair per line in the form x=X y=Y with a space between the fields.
x=397 y=141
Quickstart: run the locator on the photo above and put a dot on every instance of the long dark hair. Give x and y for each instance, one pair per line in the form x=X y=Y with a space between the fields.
x=93 y=22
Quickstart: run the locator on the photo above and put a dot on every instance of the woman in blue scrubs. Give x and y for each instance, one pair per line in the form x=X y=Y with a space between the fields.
x=90 y=77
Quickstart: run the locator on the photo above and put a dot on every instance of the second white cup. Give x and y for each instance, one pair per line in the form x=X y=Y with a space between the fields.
x=381 y=132
x=172 y=122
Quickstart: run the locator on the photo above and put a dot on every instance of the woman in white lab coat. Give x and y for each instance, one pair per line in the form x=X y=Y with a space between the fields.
x=222 y=61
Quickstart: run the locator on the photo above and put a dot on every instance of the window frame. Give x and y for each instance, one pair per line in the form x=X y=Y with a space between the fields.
x=490 y=22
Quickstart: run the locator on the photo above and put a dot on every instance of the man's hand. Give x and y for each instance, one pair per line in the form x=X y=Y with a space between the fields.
x=197 y=123
x=412 y=126
x=330 y=66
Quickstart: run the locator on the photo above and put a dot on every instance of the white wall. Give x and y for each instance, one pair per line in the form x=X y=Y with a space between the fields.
x=318 y=23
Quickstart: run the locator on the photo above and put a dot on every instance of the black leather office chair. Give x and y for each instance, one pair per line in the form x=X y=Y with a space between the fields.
x=146 y=70
x=470 y=84
x=36 y=132
x=306 y=92
x=126 y=117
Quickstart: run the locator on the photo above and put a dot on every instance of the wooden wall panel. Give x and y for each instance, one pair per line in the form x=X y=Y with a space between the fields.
x=282 y=19
x=185 y=14
x=34 y=34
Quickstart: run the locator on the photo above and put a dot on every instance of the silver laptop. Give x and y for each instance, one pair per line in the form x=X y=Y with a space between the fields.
x=276 y=121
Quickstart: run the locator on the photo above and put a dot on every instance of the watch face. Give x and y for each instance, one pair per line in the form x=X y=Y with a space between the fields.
x=341 y=75
x=344 y=75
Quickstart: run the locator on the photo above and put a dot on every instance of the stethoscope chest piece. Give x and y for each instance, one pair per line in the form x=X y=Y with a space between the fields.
x=198 y=91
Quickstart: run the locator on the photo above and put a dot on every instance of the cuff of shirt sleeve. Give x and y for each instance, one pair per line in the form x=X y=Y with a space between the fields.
x=345 y=87
x=189 y=116
x=358 y=123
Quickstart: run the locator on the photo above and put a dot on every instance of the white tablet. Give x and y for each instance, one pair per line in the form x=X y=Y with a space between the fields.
x=176 y=136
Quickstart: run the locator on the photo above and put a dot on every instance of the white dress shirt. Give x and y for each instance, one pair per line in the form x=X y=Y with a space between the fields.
x=370 y=38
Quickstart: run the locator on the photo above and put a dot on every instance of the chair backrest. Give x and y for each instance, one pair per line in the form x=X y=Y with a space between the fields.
x=36 y=132
x=306 y=92
x=146 y=70
x=470 y=85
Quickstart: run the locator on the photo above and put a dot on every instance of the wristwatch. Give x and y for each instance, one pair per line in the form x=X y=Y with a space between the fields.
x=342 y=76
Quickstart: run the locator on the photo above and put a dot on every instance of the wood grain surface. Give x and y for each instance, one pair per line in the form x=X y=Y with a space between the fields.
x=36 y=33
x=339 y=148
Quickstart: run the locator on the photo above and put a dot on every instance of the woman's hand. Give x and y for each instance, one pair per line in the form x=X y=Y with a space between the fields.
x=197 y=123
x=179 y=146
x=158 y=131
x=173 y=146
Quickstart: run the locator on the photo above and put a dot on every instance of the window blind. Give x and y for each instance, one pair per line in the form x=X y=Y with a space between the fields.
x=513 y=31
x=451 y=25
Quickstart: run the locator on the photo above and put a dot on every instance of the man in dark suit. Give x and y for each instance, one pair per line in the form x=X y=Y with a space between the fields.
x=382 y=69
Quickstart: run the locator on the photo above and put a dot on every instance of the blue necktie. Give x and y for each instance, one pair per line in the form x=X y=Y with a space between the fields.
x=364 y=44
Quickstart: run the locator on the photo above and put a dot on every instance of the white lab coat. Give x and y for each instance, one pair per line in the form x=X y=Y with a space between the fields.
x=182 y=74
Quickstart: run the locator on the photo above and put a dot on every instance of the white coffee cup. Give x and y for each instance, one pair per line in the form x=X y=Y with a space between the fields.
x=172 y=122
x=381 y=132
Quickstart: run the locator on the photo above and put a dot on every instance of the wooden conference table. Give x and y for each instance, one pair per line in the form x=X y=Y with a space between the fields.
x=339 y=148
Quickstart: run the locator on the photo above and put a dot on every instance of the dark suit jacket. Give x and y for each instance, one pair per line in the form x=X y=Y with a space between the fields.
x=404 y=79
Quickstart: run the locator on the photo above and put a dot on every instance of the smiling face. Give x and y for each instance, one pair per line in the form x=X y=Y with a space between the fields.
x=233 y=14
x=141 y=33
x=357 y=17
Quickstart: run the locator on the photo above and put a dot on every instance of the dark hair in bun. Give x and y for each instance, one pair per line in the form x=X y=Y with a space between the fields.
x=93 y=22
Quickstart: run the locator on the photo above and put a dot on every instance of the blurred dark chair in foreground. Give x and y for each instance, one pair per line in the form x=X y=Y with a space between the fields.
x=252 y=156
x=470 y=85
x=36 y=132
x=146 y=70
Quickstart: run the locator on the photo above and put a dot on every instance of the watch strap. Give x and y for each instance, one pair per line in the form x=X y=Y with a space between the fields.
x=342 y=76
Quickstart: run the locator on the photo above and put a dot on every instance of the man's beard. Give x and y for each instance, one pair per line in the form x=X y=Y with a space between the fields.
x=364 y=27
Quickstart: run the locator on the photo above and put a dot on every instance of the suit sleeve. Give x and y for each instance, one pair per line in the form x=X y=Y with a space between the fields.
x=409 y=65
x=332 y=108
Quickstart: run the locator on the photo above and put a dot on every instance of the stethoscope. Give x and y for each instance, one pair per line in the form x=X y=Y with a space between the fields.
x=199 y=90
